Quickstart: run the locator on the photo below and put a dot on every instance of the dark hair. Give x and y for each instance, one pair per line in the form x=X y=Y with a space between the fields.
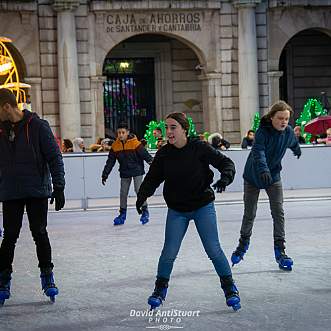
x=277 y=106
x=122 y=125
x=158 y=129
x=67 y=143
x=181 y=119
x=7 y=96
x=250 y=131
x=216 y=141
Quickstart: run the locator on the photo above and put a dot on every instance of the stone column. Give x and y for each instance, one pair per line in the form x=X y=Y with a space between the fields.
x=35 y=94
x=247 y=61
x=69 y=101
x=273 y=85
x=211 y=101
x=97 y=107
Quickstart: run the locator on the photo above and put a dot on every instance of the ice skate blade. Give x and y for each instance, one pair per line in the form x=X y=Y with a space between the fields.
x=234 y=302
x=51 y=293
x=285 y=268
x=285 y=264
x=154 y=303
x=236 y=307
x=116 y=224
x=4 y=295
x=236 y=259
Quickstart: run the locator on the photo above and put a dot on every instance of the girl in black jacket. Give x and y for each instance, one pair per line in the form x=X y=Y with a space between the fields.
x=183 y=166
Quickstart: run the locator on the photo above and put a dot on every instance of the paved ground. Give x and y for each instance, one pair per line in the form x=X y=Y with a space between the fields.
x=105 y=274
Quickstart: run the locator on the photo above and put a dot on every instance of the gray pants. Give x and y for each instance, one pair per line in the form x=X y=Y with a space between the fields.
x=125 y=186
x=251 y=196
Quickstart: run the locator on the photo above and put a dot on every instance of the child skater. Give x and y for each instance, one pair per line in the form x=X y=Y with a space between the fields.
x=262 y=171
x=130 y=154
x=183 y=165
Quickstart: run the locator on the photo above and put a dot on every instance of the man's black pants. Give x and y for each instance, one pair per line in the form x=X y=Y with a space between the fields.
x=13 y=211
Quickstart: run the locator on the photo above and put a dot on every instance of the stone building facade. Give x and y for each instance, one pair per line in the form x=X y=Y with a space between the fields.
x=218 y=61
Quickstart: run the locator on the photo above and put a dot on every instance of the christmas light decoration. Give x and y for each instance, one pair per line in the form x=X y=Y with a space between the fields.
x=256 y=121
x=312 y=109
x=9 y=77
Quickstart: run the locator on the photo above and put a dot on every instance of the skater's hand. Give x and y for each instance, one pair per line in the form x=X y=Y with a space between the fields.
x=103 y=181
x=297 y=155
x=219 y=186
x=139 y=204
x=58 y=196
x=266 y=178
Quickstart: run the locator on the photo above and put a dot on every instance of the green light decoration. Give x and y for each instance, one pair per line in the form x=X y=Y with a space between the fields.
x=151 y=140
x=191 y=131
x=206 y=134
x=256 y=121
x=152 y=125
x=313 y=108
x=162 y=127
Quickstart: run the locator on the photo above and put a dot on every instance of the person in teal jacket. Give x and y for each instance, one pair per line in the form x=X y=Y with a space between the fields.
x=262 y=171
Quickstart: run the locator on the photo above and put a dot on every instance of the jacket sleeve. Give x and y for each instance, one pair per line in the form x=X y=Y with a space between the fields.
x=144 y=155
x=221 y=162
x=258 y=152
x=153 y=178
x=294 y=144
x=52 y=154
x=109 y=164
x=244 y=143
x=225 y=143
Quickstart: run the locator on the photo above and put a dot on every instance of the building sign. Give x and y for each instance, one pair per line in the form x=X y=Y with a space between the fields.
x=153 y=22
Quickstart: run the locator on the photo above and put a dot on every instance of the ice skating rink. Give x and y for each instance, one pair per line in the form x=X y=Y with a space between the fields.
x=106 y=273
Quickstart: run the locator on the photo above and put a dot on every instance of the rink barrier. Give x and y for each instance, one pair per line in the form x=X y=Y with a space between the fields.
x=83 y=173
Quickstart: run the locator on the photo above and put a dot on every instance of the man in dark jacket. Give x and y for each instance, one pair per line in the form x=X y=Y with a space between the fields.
x=29 y=154
x=130 y=154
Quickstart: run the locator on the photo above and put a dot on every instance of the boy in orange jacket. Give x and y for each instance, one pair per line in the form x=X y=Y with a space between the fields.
x=130 y=154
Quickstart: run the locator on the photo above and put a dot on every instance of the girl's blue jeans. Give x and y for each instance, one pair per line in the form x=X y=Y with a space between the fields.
x=176 y=227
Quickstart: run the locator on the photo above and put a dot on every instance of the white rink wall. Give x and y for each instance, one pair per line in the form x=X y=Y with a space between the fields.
x=83 y=172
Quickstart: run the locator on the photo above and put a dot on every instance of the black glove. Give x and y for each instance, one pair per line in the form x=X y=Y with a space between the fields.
x=103 y=180
x=139 y=203
x=266 y=178
x=219 y=186
x=58 y=196
x=297 y=155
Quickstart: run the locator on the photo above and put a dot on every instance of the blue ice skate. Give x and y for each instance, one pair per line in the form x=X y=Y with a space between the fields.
x=47 y=283
x=120 y=219
x=284 y=262
x=231 y=293
x=5 y=277
x=144 y=217
x=240 y=251
x=159 y=294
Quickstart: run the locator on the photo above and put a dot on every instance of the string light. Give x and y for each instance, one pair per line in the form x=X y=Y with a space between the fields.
x=9 y=72
x=124 y=65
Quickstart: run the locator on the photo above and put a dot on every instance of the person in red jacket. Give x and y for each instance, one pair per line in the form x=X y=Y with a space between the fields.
x=130 y=154
x=183 y=165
